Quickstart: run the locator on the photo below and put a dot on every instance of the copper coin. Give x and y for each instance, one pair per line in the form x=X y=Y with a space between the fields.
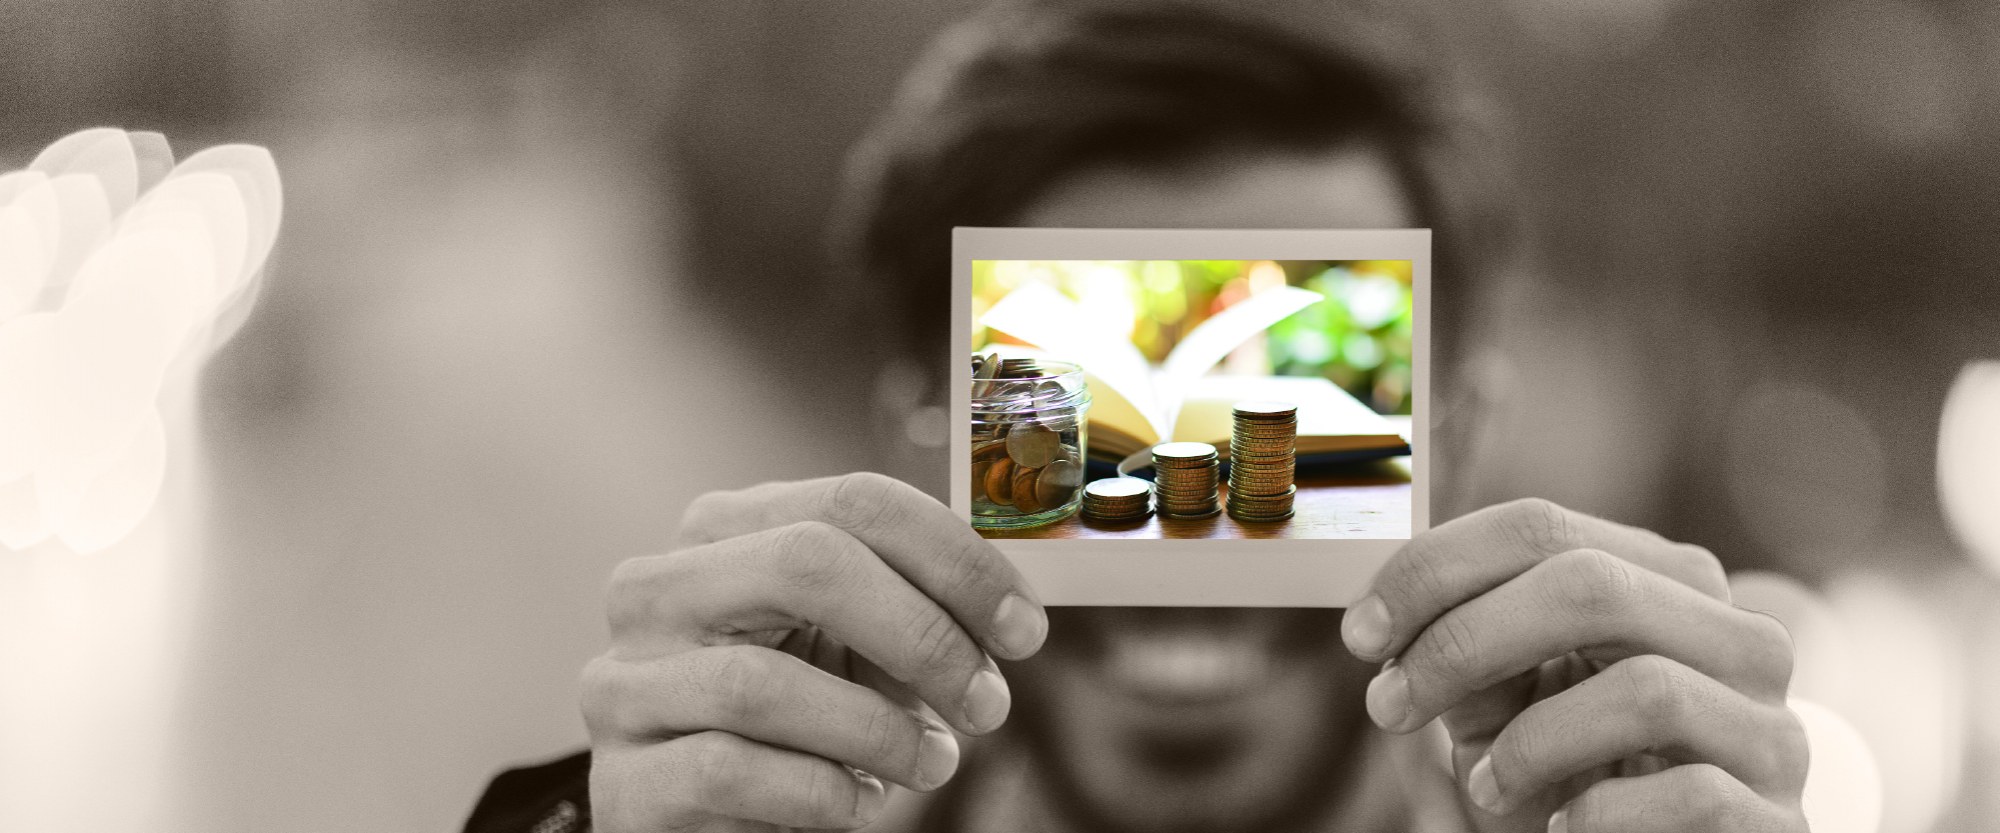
x=1000 y=482
x=1024 y=495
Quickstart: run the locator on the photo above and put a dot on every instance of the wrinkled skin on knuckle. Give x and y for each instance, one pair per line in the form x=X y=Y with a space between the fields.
x=712 y=770
x=934 y=647
x=862 y=500
x=1538 y=524
x=1659 y=690
x=1710 y=795
x=1599 y=586
x=1452 y=653
x=830 y=791
x=813 y=557
x=737 y=684
x=891 y=735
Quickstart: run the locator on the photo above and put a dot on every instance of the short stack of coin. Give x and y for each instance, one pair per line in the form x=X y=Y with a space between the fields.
x=1117 y=499
x=1185 y=480
x=1263 y=458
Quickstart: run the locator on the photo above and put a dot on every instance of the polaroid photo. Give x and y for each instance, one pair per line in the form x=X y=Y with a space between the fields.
x=1192 y=417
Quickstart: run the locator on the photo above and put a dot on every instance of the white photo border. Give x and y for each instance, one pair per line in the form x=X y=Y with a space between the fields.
x=1319 y=572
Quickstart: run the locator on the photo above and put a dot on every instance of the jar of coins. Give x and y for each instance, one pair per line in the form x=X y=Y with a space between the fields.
x=1027 y=441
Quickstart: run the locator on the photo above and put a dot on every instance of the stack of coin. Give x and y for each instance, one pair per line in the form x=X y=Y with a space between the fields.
x=1116 y=499
x=1263 y=457
x=1184 y=480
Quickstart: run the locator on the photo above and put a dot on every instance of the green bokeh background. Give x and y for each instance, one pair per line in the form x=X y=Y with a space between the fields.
x=1359 y=337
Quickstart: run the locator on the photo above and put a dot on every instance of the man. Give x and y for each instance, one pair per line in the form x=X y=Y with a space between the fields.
x=807 y=645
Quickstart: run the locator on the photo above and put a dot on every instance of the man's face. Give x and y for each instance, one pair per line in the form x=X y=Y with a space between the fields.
x=1203 y=719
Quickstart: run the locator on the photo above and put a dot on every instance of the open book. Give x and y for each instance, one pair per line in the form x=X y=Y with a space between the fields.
x=1135 y=405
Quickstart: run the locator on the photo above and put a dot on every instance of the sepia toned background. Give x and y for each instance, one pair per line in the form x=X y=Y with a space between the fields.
x=551 y=269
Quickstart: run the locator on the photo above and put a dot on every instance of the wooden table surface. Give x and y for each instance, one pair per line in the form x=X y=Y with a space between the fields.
x=1368 y=500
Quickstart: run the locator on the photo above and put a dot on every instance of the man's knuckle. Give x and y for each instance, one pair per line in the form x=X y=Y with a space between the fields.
x=1709 y=792
x=598 y=699
x=1706 y=568
x=1455 y=646
x=712 y=769
x=1600 y=586
x=862 y=500
x=934 y=644
x=629 y=596
x=1791 y=749
x=702 y=515
x=887 y=737
x=1659 y=689
x=739 y=684
x=1541 y=524
x=827 y=790
x=813 y=556
x=1774 y=652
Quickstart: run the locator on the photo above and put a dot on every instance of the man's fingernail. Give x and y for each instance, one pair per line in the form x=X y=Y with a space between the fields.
x=986 y=701
x=937 y=757
x=1480 y=784
x=1019 y=626
x=1559 y=823
x=1389 y=697
x=1365 y=628
x=869 y=798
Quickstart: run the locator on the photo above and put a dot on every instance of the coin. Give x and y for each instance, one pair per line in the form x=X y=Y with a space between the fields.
x=1057 y=483
x=1113 y=488
x=979 y=478
x=1266 y=410
x=1182 y=451
x=1032 y=445
x=1024 y=492
x=989 y=450
x=999 y=482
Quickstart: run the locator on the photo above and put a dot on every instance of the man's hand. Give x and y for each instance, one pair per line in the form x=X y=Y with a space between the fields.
x=1593 y=677
x=806 y=640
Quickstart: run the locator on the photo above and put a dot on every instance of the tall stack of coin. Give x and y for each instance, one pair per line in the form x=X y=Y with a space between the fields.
x=1263 y=458
x=1185 y=480
x=1116 y=499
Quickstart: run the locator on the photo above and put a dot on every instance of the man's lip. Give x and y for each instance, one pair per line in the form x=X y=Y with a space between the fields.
x=1185 y=667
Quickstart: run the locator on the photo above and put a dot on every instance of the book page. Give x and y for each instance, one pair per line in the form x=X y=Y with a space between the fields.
x=1324 y=409
x=1209 y=341
x=1041 y=316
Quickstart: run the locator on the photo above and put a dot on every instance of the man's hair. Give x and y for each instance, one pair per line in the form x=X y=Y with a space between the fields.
x=1012 y=100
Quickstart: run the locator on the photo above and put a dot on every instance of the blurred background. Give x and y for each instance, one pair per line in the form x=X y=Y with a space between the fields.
x=1357 y=337
x=535 y=252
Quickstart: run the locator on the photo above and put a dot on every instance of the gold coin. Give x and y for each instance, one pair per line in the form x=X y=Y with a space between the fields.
x=979 y=478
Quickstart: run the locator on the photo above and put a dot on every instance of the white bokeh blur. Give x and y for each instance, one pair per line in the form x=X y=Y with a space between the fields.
x=120 y=272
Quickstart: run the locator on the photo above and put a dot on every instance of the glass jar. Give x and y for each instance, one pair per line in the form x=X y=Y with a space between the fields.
x=1027 y=441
